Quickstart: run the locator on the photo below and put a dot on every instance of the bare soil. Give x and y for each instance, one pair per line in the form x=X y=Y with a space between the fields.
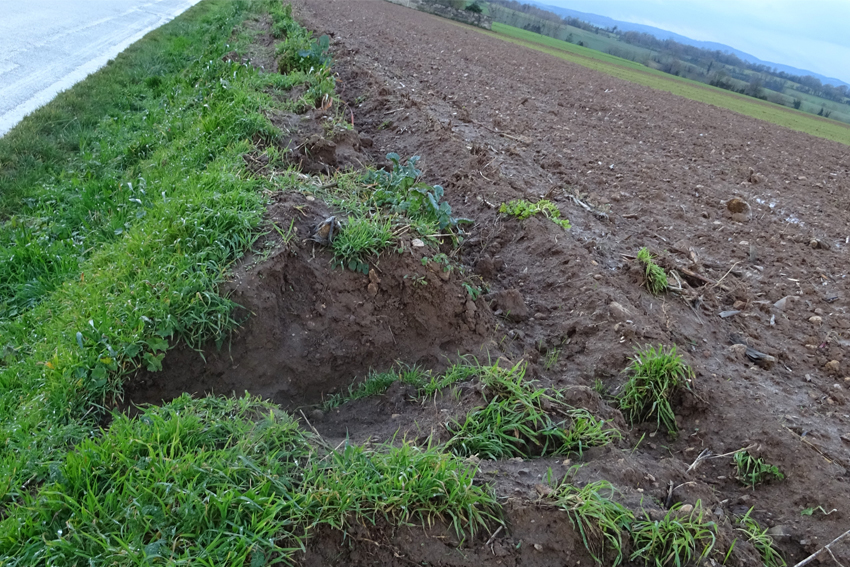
x=630 y=167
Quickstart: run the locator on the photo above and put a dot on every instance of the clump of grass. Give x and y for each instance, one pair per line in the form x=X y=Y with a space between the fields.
x=654 y=375
x=764 y=544
x=520 y=420
x=752 y=470
x=376 y=384
x=162 y=487
x=399 y=484
x=656 y=279
x=523 y=209
x=360 y=238
x=677 y=539
x=221 y=481
x=603 y=523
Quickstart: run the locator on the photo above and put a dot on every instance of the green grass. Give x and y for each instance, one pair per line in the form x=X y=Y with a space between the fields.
x=654 y=375
x=752 y=471
x=654 y=276
x=227 y=482
x=676 y=539
x=377 y=383
x=757 y=536
x=522 y=210
x=604 y=524
x=360 y=239
x=637 y=73
x=125 y=218
x=520 y=420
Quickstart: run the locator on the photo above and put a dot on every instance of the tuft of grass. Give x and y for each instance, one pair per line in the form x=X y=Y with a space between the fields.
x=764 y=544
x=523 y=209
x=654 y=375
x=676 y=539
x=656 y=279
x=520 y=420
x=220 y=481
x=752 y=470
x=175 y=485
x=603 y=523
x=399 y=484
x=377 y=383
x=360 y=238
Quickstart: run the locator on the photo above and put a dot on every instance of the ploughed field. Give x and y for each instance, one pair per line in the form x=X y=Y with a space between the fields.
x=495 y=122
x=461 y=343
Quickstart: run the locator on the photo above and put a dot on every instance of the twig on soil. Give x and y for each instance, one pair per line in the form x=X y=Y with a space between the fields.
x=493 y=537
x=726 y=274
x=316 y=431
x=587 y=207
x=706 y=454
x=810 y=444
x=811 y=557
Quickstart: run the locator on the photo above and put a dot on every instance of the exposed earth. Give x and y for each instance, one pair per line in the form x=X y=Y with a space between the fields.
x=630 y=167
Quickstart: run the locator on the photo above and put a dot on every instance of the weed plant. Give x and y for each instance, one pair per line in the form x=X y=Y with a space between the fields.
x=678 y=539
x=656 y=279
x=603 y=523
x=752 y=471
x=757 y=536
x=520 y=420
x=654 y=375
x=522 y=210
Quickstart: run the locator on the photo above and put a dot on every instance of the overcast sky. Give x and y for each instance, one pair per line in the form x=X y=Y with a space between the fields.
x=809 y=34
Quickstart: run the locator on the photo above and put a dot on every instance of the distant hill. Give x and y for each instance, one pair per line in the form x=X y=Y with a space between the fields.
x=606 y=22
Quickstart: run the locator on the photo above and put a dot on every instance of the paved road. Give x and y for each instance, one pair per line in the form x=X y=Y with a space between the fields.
x=48 y=45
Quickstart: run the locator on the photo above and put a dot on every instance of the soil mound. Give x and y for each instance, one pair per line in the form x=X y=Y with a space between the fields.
x=311 y=329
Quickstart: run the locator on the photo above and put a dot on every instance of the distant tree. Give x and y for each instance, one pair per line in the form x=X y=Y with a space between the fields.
x=797 y=103
x=475 y=8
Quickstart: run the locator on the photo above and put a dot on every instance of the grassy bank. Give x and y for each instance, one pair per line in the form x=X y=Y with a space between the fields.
x=636 y=73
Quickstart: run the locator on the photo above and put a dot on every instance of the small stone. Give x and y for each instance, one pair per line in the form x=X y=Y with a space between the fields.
x=739 y=305
x=416 y=243
x=739 y=209
x=538 y=547
x=738 y=349
x=597 y=277
x=311 y=198
x=686 y=509
x=512 y=304
x=317 y=414
x=543 y=490
x=372 y=288
x=815 y=320
x=779 y=531
x=832 y=367
x=373 y=276
x=785 y=302
x=618 y=312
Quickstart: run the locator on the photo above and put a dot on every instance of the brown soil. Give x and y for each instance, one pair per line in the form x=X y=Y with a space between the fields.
x=494 y=121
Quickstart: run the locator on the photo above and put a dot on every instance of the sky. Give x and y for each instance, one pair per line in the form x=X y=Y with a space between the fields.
x=809 y=34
